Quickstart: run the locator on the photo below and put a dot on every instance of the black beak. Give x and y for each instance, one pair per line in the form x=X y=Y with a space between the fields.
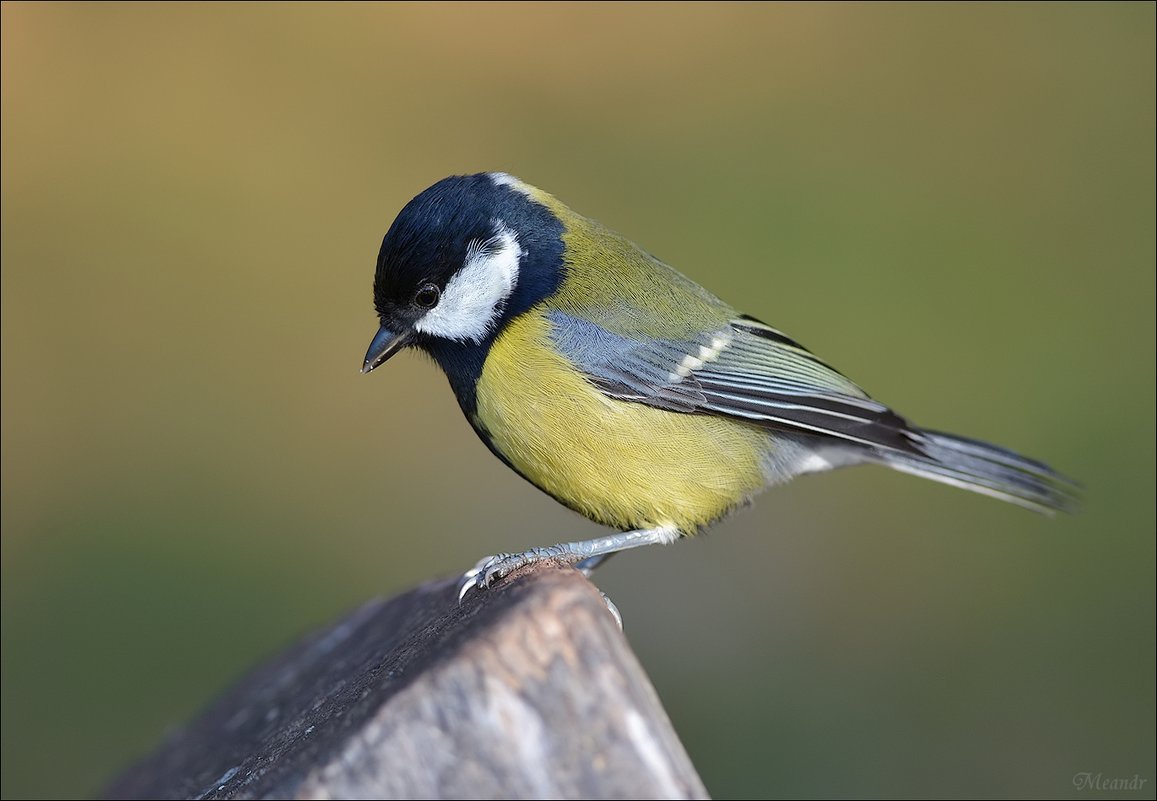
x=385 y=344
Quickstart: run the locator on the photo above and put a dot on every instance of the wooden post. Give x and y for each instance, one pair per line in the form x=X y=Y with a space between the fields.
x=526 y=690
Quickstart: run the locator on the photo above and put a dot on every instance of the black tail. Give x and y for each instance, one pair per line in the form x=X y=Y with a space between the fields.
x=987 y=469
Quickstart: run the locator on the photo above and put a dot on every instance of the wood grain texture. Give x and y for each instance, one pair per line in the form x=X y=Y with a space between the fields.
x=528 y=690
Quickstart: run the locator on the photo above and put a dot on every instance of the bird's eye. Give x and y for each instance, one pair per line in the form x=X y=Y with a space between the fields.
x=428 y=296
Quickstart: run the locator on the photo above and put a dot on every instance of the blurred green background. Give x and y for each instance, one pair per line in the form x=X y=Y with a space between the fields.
x=952 y=204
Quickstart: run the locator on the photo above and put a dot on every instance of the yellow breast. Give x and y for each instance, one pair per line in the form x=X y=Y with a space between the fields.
x=622 y=464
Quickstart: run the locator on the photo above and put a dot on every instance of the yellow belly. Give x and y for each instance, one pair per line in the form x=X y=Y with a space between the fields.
x=622 y=464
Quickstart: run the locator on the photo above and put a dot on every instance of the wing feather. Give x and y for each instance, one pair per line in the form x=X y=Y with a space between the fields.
x=744 y=369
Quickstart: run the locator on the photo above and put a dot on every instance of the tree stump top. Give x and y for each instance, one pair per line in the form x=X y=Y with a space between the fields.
x=526 y=690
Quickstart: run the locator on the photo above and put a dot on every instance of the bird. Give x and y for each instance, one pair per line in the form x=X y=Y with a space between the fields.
x=625 y=390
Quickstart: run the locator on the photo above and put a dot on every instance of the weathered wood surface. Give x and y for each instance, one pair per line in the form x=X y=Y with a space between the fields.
x=527 y=690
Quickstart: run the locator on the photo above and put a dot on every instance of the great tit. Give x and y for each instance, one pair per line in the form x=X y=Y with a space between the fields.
x=623 y=389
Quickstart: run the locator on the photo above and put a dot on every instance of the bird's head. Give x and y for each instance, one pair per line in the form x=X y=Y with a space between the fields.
x=461 y=259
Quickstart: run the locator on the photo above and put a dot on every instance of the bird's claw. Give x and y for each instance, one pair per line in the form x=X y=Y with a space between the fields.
x=482 y=574
x=493 y=568
x=614 y=610
x=467 y=583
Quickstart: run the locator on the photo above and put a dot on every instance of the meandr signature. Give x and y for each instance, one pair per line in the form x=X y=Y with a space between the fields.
x=1087 y=780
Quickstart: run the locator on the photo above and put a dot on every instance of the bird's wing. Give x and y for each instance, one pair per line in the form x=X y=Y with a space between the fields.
x=743 y=369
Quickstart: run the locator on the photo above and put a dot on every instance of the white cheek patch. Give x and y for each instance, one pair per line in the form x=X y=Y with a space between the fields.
x=472 y=301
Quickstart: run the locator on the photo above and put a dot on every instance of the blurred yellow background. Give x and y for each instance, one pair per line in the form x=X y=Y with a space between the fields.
x=953 y=204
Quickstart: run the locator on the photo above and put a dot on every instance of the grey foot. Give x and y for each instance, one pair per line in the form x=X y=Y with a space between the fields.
x=588 y=565
x=496 y=567
x=587 y=554
x=492 y=568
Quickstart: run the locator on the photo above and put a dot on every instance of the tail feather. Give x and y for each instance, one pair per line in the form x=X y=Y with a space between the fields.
x=987 y=469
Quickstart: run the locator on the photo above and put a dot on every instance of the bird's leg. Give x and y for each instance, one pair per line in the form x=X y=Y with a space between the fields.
x=586 y=554
x=589 y=565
